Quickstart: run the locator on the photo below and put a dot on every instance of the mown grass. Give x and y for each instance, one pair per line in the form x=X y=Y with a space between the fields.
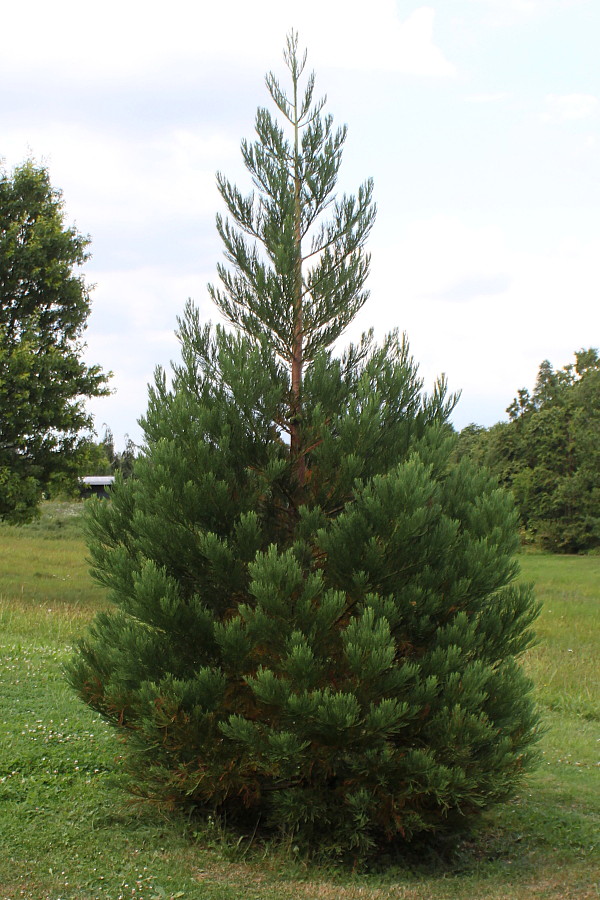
x=67 y=831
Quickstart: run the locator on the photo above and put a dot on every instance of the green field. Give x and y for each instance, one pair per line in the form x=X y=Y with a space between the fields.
x=68 y=832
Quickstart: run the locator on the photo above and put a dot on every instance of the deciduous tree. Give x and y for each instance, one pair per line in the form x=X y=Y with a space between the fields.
x=548 y=454
x=44 y=306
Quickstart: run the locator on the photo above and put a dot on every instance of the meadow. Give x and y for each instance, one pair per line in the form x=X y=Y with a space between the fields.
x=69 y=832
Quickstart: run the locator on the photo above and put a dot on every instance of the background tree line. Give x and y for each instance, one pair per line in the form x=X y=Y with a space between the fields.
x=102 y=458
x=548 y=454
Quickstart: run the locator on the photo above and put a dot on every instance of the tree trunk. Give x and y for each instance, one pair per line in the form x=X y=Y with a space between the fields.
x=297 y=356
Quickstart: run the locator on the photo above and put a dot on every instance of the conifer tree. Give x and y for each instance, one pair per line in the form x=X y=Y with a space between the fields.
x=316 y=623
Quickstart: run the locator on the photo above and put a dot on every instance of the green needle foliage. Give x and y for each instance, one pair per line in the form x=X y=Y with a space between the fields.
x=316 y=618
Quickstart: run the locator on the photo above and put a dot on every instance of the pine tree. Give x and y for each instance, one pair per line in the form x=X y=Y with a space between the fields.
x=316 y=618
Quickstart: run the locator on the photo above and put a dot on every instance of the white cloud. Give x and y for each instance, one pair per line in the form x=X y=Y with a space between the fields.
x=525 y=7
x=131 y=330
x=509 y=12
x=475 y=287
x=484 y=312
x=407 y=47
x=569 y=107
x=441 y=251
x=109 y=180
x=134 y=40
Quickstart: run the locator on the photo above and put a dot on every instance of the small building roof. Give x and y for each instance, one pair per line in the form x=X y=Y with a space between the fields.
x=98 y=479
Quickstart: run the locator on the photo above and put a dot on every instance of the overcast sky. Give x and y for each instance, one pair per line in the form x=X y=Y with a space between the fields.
x=479 y=121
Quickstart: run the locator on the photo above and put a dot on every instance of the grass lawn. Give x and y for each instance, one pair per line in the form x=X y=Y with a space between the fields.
x=67 y=831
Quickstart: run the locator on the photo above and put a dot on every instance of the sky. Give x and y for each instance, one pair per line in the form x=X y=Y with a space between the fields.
x=479 y=121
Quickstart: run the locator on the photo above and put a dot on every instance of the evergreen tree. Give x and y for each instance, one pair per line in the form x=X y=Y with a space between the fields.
x=316 y=618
